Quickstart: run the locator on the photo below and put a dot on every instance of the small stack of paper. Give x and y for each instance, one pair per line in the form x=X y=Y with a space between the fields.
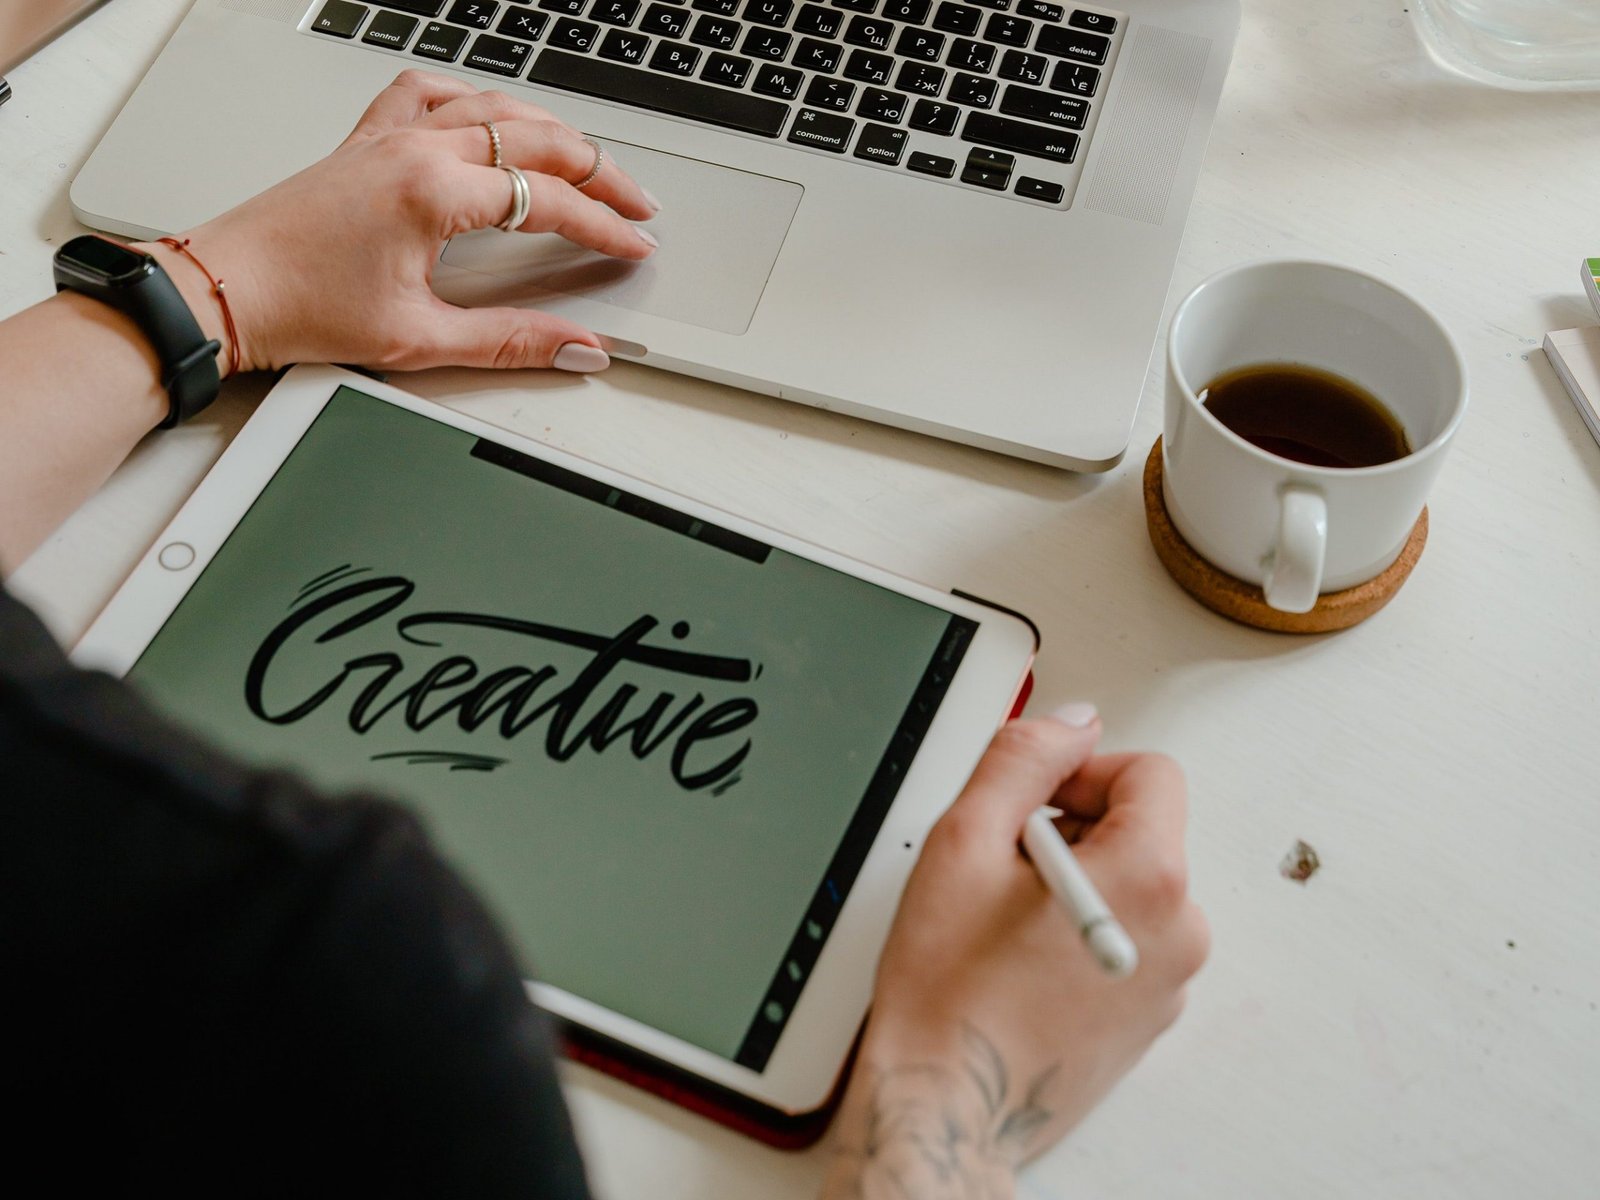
x=1575 y=354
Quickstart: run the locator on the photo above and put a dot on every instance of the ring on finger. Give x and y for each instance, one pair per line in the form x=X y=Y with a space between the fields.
x=521 y=200
x=599 y=159
x=494 y=143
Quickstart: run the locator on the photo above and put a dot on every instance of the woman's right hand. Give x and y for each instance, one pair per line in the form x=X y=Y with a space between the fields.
x=993 y=1030
x=334 y=264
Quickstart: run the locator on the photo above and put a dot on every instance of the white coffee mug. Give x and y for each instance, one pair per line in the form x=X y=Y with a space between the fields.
x=1293 y=529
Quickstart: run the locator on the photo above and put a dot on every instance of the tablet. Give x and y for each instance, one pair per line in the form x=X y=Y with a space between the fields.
x=688 y=761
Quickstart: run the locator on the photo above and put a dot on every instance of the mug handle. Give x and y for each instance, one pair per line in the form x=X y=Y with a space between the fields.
x=1294 y=568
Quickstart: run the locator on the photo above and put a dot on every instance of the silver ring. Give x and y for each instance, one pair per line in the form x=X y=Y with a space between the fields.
x=521 y=200
x=494 y=143
x=599 y=158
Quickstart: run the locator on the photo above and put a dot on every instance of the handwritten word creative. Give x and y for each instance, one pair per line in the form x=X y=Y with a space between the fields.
x=596 y=706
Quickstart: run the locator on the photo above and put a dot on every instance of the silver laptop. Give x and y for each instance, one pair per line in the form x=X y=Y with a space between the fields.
x=954 y=216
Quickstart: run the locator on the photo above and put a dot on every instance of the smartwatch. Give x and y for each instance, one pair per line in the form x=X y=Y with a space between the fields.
x=134 y=284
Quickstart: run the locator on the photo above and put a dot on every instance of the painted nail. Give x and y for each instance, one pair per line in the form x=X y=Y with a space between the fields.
x=647 y=239
x=1080 y=715
x=649 y=199
x=575 y=356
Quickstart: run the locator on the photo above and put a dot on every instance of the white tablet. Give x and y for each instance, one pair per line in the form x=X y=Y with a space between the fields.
x=687 y=760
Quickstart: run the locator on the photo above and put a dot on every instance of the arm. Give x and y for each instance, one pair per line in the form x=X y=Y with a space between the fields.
x=993 y=1031
x=332 y=265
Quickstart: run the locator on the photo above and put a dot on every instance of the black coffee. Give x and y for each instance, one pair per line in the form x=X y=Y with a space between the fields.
x=1307 y=415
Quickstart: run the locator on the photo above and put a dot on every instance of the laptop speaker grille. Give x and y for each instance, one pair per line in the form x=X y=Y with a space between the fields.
x=1161 y=74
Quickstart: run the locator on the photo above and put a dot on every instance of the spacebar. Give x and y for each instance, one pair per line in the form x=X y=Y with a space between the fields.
x=660 y=93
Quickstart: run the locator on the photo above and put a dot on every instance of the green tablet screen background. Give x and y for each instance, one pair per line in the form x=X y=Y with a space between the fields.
x=658 y=748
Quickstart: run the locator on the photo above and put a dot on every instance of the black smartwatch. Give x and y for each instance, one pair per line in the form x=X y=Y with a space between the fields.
x=134 y=284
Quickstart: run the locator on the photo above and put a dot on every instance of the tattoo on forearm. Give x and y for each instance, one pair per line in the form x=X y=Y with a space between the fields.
x=938 y=1132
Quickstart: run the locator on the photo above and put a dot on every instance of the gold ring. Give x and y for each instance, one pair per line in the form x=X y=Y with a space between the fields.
x=494 y=143
x=599 y=158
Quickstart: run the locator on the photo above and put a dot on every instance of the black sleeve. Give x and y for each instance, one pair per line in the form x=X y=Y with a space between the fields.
x=222 y=983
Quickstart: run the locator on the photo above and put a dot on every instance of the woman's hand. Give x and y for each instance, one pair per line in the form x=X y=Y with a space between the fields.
x=993 y=1030
x=334 y=264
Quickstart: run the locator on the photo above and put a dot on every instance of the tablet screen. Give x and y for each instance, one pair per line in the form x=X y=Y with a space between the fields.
x=659 y=748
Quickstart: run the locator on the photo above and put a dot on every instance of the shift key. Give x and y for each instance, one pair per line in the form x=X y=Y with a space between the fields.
x=988 y=130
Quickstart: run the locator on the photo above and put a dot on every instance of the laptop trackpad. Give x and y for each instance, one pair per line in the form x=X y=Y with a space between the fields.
x=720 y=231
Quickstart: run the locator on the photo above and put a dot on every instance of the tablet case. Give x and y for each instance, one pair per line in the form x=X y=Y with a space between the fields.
x=782 y=1130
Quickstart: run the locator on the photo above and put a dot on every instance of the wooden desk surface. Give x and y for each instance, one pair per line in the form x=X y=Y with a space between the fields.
x=1421 y=1018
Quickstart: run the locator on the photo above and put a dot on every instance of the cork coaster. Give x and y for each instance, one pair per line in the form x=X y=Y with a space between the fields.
x=1245 y=602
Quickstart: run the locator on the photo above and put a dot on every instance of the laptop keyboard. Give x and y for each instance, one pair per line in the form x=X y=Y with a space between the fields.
x=991 y=95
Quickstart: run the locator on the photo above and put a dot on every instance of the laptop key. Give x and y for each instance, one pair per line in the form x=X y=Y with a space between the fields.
x=830 y=93
x=826 y=131
x=570 y=7
x=973 y=90
x=715 y=33
x=919 y=43
x=1075 y=78
x=1093 y=21
x=766 y=43
x=879 y=105
x=1040 y=189
x=880 y=143
x=659 y=93
x=499 y=55
x=1072 y=43
x=860 y=6
x=920 y=78
x=989 y=130
x=867 y=67
x=775 y=13
x=521 y=23
x=782 y=82
x=339 y=18
x=815 y=19
x=932 y=117
x=419 y=8
x=675 y=60
x=817 y=55
x=956 y=18
x=869 y=32
x=722 y=8
x=476 y=14
x=664 y=21
x=1037 y=8
x=727 y=69
x=966 y=55
x=931 y=164
x=1024 y=67
x=1067 y=111
x=615 y=12
x=390 y=29
x=574 y=35
x=999 y=5
x=441 y=43
x=912 y=12
x=1011 y=31
x=621 y=45
x=987 y=169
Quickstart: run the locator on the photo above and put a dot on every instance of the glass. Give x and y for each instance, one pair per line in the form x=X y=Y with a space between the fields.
x=1527 y=44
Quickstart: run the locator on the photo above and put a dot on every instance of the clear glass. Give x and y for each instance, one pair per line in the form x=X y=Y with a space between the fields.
x=1528 y=44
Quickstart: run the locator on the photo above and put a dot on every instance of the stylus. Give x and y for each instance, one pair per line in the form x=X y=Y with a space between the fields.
x=1110 y=944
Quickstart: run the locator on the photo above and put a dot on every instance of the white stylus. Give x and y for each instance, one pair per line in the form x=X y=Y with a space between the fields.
x=1110 y=944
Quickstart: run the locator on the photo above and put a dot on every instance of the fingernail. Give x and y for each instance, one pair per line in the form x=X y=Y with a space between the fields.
x=575 y=356
x=1080 y=714
x=647 y=239
x=649 y=199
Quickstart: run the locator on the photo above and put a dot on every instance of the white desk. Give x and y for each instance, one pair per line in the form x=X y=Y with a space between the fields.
x=1421 y=1018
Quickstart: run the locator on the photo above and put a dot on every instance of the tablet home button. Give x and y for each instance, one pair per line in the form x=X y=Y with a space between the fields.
x=176 y=556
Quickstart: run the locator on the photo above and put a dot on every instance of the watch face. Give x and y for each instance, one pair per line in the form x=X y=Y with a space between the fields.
x=103 y=261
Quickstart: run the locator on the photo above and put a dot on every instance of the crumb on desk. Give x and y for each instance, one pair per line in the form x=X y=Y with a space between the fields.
x=1300 y=864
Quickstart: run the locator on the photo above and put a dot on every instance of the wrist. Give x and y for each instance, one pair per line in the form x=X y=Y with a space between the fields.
x=209 y=309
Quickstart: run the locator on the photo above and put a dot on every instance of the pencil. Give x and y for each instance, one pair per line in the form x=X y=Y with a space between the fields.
x=1110 y=944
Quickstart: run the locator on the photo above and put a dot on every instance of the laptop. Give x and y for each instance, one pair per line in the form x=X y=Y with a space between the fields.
x=958 y=217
